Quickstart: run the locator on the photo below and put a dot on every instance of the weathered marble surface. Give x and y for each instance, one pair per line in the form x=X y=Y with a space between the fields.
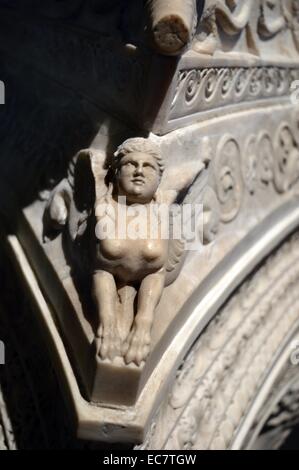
x=90 y=76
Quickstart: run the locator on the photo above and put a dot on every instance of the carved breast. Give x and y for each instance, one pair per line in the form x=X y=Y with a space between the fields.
x=147 y=250
x=131 y=260
x=152 y=250
x=113 y=248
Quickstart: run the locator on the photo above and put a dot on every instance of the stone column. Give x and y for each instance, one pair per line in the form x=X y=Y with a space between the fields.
x=172 y=24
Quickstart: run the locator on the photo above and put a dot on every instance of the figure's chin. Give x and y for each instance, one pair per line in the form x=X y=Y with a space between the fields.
x=136 y=191
x=137 y=196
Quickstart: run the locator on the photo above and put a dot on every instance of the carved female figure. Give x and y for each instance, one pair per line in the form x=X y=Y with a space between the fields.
x=128 y=274
x=124 y=265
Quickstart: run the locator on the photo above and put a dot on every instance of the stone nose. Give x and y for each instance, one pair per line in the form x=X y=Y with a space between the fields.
x=139 y=170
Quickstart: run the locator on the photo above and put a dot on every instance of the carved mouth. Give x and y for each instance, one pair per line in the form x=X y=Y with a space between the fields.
x=138 y=181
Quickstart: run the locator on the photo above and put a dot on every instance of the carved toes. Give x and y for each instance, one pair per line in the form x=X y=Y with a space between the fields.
x=109 y=343
x=134 y=349
x=138 y=346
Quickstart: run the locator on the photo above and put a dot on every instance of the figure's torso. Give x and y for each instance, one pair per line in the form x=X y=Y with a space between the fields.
x=128 y=254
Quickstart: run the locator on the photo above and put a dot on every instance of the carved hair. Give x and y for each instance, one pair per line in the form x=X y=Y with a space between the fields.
x=139 y=145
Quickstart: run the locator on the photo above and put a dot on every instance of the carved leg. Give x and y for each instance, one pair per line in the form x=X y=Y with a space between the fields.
x=125 y=310
x=105 y=294
x=137 y=346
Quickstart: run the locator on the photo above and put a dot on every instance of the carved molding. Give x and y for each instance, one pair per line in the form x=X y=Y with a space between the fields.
x=199 y=90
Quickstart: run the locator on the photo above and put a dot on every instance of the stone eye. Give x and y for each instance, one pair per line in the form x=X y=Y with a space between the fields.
x=149 y=165
x=129 y=164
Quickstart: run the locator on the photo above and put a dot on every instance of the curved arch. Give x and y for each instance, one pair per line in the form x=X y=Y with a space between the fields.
x=228 y=374
x=206 y=301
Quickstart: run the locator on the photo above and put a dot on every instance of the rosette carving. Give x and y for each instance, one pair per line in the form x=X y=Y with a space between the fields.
x=265 y=159
x=287 y=159
x=228 y=178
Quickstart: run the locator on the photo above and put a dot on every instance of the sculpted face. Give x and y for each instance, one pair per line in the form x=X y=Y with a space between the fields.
x=138 y=177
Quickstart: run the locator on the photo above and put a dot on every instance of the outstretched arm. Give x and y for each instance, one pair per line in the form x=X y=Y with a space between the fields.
x=178 y=180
